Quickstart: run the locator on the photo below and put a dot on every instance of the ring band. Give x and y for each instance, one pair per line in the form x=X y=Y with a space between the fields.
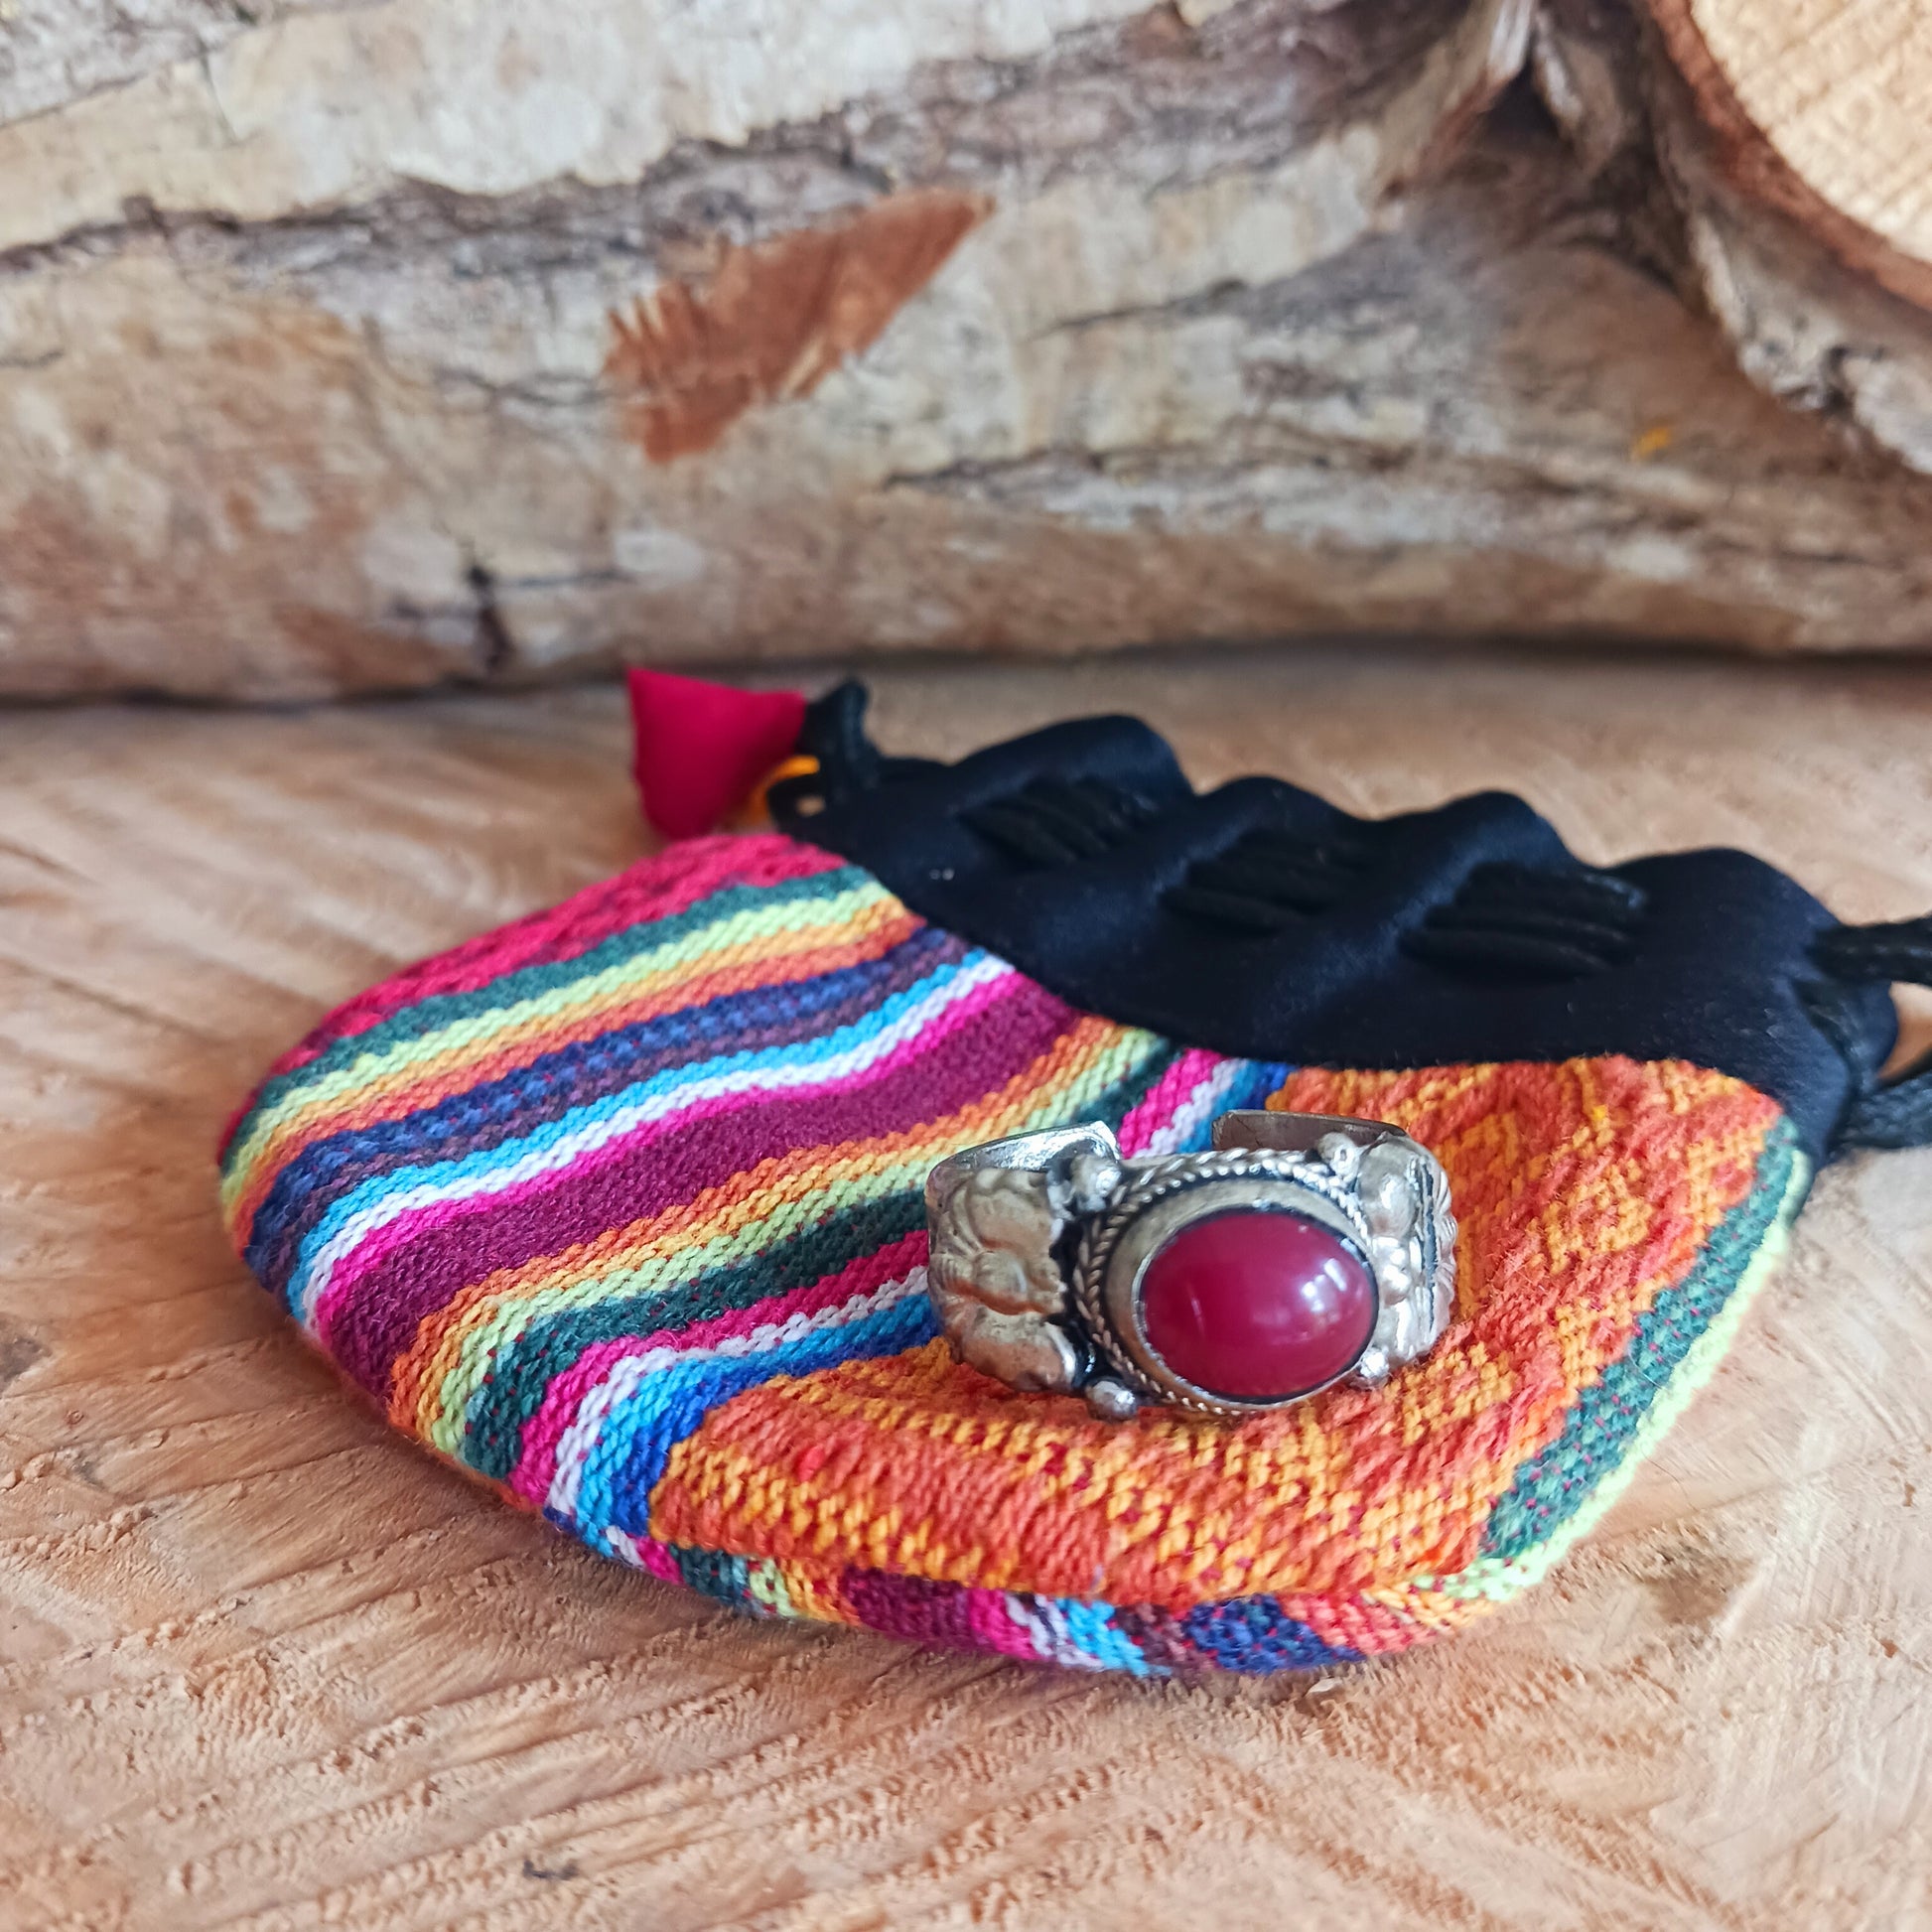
x=1301 y=1251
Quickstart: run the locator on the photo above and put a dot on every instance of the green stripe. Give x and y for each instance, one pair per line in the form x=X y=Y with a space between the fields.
x=1496 y=1580
x=498 y=1381
x=1605 y=1419
x=441 y=1010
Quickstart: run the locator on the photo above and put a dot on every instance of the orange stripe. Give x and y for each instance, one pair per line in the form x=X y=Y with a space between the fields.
x=817 y=1174
x=917 y=1465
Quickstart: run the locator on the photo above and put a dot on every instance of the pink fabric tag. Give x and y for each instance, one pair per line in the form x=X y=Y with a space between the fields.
x=701 y=747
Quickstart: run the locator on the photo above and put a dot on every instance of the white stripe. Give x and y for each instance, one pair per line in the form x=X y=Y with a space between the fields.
x=1199 y=1106
x=624 y=1546
x=313 y=1273
x=574 y=1445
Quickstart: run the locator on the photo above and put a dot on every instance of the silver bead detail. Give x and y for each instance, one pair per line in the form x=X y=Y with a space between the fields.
x=1109 y=1400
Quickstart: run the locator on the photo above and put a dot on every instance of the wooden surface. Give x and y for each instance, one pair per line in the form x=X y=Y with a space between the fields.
x=266 y=1666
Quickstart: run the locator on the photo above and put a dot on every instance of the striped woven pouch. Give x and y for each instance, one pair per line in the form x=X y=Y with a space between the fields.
x=619 y=1206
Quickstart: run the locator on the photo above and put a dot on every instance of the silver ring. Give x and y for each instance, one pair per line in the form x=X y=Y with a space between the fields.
x=1302 y=1250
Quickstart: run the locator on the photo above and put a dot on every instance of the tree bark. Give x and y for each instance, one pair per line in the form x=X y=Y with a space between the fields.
x=378 y=348
x=1791 y=141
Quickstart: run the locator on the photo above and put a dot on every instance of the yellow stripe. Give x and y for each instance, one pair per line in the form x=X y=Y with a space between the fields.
x=441 y=1078
x=746 y=937
x=664 y=1256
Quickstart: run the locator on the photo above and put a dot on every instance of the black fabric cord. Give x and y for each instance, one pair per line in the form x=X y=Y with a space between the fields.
x=1898 y=952
x=1258 y=920
x=1891 y=1113
x=850 y=765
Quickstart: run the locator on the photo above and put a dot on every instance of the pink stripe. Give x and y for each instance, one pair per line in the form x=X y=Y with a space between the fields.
x=381 y=1320
x=415 y=1222
x=536 y=1466
x=657 y=887
x=657 y=1558
x=1166 y=1098
x=992 y=1626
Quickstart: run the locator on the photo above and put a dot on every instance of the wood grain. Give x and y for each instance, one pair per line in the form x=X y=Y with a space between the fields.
x=309 y=381
x=266 y=1666
x=1019 y=325
x=1763 y=156
x=1823 y=104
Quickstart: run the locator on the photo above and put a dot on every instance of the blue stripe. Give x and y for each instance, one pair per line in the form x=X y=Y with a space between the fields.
x=509 y=1153
x=548 y=1085
x=637 y=1437
x=1254 y=1634
x=1091 y=1629
x=636 y=941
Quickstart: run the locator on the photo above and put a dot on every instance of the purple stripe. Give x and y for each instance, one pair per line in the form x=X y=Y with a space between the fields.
x=673 y=1161
x=521 y=1099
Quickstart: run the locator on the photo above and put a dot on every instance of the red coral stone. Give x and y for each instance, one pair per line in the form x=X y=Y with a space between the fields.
x=1258 y=1305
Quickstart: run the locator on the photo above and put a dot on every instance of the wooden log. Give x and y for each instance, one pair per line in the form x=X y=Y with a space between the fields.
x=1819 y=111
x=1792 y=143
x=348 y=350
